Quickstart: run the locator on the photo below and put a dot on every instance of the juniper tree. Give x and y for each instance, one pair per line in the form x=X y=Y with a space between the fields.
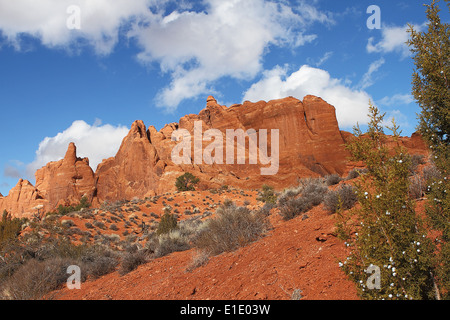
x=186 y=182
x=389 y=235
x=431 y=90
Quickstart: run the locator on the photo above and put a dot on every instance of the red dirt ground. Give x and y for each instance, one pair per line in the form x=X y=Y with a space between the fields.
x=297 y=254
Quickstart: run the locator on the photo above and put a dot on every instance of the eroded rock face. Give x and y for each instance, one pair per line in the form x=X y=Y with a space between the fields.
x=60 y=182
x=22 y=200
x=133 y=172
x=67 y=180
x=310 y=144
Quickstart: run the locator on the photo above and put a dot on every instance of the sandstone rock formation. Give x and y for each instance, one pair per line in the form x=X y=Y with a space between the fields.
x=67 y=180
x=22 y=200
x=310 y=144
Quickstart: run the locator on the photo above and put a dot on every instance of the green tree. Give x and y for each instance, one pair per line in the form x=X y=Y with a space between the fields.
x=168 y=222
x=267 y=195
x=186 y=182
x=431 y=90
x=9 y=228
x=390 y=234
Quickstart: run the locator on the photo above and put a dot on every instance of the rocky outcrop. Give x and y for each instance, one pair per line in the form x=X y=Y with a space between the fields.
x=310 y=144
x=23 y=200
x=67 y=180
x=133 y=172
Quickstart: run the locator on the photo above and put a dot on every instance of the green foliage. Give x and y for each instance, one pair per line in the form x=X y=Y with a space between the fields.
x=267 y=195
x=186 y=182
x=431 y=90
x=431 y=80
x=36 y=263
x=168 y=222
x=64 y=210
x=9 y=228
x=390 y=234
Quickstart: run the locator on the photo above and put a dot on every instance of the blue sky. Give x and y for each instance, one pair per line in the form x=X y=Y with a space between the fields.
x=157 y=60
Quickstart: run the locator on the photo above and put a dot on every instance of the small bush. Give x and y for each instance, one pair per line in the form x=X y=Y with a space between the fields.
x=267 y=195
x=292 y=207
x=168 y=223
x=311 y=191
x=233 y=227
x=416 y=160
x=186 y=182
x=332 y=179
x=9 y=228
x=132 y=260
x=355 y=173
x=431 y=173
x=83 y=204
x=99 y=225
x=88 y=225
x=36 y=278
x=416 y=187
x=67 y=223
x=314 y=190
x=201 y=258
x=113 y=227
x=344 y=198
x=265 y=210
x=170 y=242
x=99 y=262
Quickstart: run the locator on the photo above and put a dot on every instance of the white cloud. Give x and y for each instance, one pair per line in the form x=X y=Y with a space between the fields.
x=393 y=39
x=396 y=99
x=47 y=21
x=221 y=38
x=351 y=104
x=225 y=38
x=321 y=60
x=97 y=142
x=367 y=79
x=228 y=39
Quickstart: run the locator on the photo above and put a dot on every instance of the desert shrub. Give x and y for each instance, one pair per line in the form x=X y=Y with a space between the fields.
x=292 y=207
x=168 y=223
x=355 y=173
x=431 y=173
x=99 y=261
x=88 y=225
x=233 y=227
x=332 y=179
x=99 y=225
x=133 y=260
x=199 y=259
x=265 y=209
x=313 y=189
x=36 y=278
x=416 y=187
x=309 y=193
x=64 y=210
x=67 y=223
x=343 y=198
x=113 y=227
x=170 y=242
x=416 y=160
x=267 y=194
x=186 y=182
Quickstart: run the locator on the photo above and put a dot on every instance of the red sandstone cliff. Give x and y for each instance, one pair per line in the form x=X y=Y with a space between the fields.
x=310 y=144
